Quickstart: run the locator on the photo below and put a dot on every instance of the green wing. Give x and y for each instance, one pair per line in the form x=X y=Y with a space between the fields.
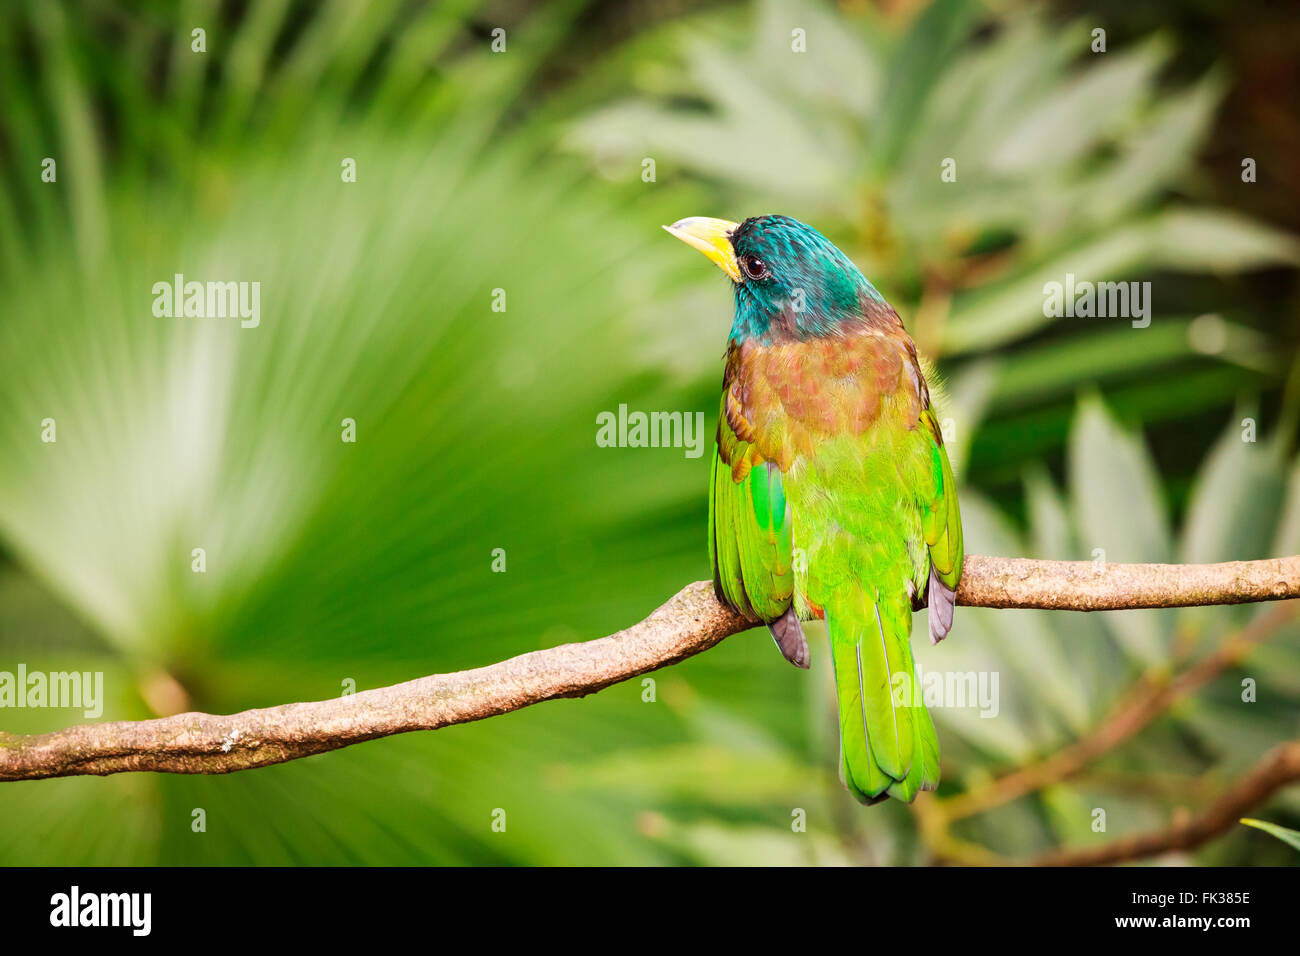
x=942 y=516
x=749 y=528
x=941 y=524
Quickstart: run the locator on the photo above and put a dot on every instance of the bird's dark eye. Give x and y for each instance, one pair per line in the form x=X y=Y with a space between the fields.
x=754 y=267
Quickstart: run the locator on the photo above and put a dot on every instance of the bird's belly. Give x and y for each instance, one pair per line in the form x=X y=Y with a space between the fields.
x=855 y=518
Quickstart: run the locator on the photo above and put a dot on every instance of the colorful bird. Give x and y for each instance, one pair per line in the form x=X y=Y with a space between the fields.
x=831 y=493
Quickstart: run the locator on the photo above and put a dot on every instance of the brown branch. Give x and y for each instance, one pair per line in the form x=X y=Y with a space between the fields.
x=1279 y=767
x=1150 y=697
x=1085 y=586
x=691 y=622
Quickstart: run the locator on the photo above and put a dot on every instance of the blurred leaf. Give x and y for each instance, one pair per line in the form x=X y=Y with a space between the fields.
x=1157 y=152
x=719 y=844
x=699 y=772
x=1234 y=502
x=1053 y=368
x=1096 y=669
x=1231 y=515
x=328 y=562
x=1291 y=837
x=915 y=68
x=1184 y=239
x=1069 y=121
x=1287 y=539
x=852 y=76
x=1218 y=240
x=1119 y=515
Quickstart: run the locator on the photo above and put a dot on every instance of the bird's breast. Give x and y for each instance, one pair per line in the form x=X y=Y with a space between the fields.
x=787 y=398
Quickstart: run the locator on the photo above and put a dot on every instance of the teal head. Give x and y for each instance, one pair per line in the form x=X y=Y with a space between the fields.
x=791 y=282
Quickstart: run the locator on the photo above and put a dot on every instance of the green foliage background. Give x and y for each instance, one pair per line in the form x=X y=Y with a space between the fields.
x=330 y=563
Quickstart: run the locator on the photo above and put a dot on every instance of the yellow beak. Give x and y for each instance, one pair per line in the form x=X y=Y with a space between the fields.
x=713 y=238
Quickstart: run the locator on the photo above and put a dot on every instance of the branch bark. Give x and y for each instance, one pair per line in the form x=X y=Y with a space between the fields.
x=1089 y=586
x=1279 y=767
x=1148 y=699
x=691 y=622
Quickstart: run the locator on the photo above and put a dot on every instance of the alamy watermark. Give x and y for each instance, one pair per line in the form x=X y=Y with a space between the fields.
x=1101 y=300
x=133 y=911
x=948 y=689
x=635 y=429
x=179 y=299
x=53 y=689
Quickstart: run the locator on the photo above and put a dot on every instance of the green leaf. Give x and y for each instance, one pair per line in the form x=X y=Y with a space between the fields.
x=1186 y=239
x=1095 y=667
x=848 y=73
x=1288 y=836
x=1069 y=121
x=717 y=844
x=1155 y=154
x=1119 y=515
x=1014 y=307
x=1035 y=373
x=917 y=65
x=1218 y=240
x=1115 y=490
x=1235 y=501
x=1231 y=515
x=1287 y=537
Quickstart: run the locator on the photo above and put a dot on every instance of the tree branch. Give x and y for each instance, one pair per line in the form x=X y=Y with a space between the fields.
x=1279 y=767
x=1089 y=586
x=691 y=622
x=1150 y=697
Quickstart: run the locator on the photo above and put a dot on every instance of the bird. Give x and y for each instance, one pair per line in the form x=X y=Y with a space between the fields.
x=831 y=494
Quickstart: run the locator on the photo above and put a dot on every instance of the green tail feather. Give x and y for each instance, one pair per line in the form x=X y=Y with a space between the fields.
x=888 y=745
